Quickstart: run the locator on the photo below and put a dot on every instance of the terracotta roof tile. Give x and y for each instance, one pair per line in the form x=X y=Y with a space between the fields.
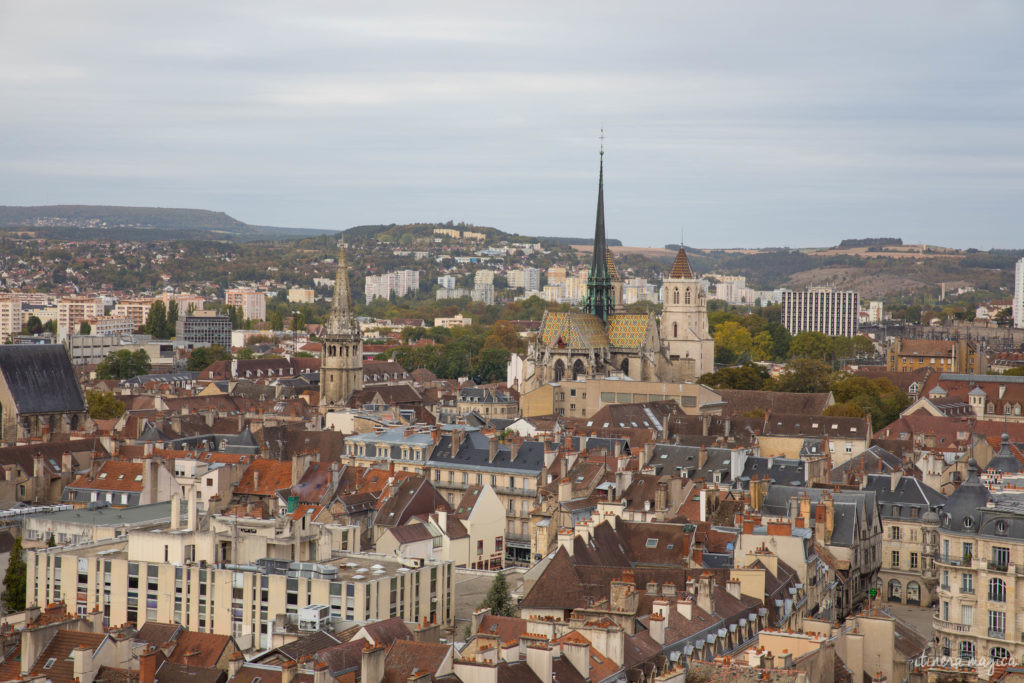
x=273 y=475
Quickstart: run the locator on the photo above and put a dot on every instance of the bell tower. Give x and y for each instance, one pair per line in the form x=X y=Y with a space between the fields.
x=341 y=359
x=684 y=318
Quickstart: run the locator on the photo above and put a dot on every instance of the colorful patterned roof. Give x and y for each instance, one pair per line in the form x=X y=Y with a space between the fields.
x=627 y=331
x=612 y=272
x=575 y=329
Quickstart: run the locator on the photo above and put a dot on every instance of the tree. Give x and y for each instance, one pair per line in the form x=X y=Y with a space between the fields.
x=498 y=600
x=245 y=353
x=50 y=326
x=492 y=365
x=172 y=318
x=124 y=364
x=14 y=582
x=1015 y=372
x=204 y=356
x=732 y=342
x=878 y=396
x=805 y=375
x=103 y=405
x=33 y=326
x=85 y=328
x=809 y=345
x=156 y=322
x=742 y=377
x=504 y=336
x=51 y=541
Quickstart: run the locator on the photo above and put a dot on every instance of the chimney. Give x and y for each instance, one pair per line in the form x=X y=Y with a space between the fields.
x=193 y=510
x=175 y=511
x=509 y=652
x=894 y=478
x=697 y=551
x=661 y=497
x=657 y=626
x=288 y=671
x=565 y=540
x=685 y=608
x=492 y=449
x=564 y=490
x=805 y=509
x=37 y=466
x=300 y=463
x=733 y=588
x=84 y=671
x=577 y=651
x=234 y=665
x=67 y=463
x=830 y=516
x=322 y=673
x=705 y=600
x=256 y=480
x=442 y=519
x=372 y=664
x=702 y=456
x=538 y=658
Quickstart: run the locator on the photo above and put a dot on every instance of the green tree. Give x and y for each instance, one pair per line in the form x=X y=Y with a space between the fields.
x=762 y=346
x=504 y=336
x=810 y=345
x=498 y=600
x=14 y=582
x=33 y=325
x=1015 y=372
x=51 y=541
x=103 y=405
x=172 y=319
x=85 y=328
x=805 y=375
x=492 y=365
x=742 y=377
x=204 y=356
x=244 y=353
x=156 y=321
x=124 y=364
x=276 y=320
x=733 y=342
x=878 y=396
x=50 y=326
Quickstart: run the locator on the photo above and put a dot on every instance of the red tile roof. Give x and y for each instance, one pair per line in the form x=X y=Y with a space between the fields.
x=199 y=649
x=59 y=651
x=113 y=475
x=273 y=476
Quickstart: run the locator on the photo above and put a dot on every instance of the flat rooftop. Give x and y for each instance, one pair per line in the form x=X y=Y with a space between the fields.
x=109 y=516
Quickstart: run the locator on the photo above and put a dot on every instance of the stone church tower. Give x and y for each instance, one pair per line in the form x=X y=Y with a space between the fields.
x=684 y=321
x=341 y=359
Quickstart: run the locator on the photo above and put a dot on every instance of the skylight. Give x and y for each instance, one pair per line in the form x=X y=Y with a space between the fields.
x=652 y=543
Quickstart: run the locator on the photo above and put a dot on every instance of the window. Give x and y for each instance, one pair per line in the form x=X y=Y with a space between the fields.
x=499 y=544
x=945 y=611
x=966 y=649
x=968 y=551
x=895 y=558
x=652 y=543
x=895 y=533
x=479 y=547
x=945 y=579
x=1000 y=557
x=913 y=560
x=967 y=583
x=997 y=590
x=967 y=615
x=996 y=623
x=50 y=662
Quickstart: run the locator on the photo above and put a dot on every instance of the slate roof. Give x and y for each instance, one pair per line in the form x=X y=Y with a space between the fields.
x=40 y=378
x=814 y=425
x=874 y=459
x=652 y=415
x=684 y=461
x=1005 y=462
x=908 y=499
x=388 y=631
x=780 y=470
x=965 y=501
x=474 y=451
x=852 y=509
x=343 y=657
x=307 y=645
x=739 y=401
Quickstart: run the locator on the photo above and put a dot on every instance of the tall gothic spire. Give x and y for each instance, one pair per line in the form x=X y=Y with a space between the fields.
x=341 y=319
x=600 y=300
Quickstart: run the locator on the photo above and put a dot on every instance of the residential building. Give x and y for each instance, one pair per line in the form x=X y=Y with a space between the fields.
x=136 y=310
x=399 y=283
x=980 y=556
x=483 y=293
x=112 y=326
x=486 y=403
x=447 y=282
x=455 y=321
x=300 y=295
x=527 y=279
x=185 y=302
x=821 y=309
x=204 y=328
x=1018 y=294
x=957 y=356
x=584 y=396
x=73 y=310
x=251 y=303
x=910 y=519
x=986 y=397
x=10 y=317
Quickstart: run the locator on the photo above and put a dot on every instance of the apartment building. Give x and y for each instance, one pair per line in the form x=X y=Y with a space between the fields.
x=821 y=309
x=959 y=356
x=527 y=279
x=300 y=295
x=204 y=328
x=185 y=302
x=136 y=310
x=10 y=317
x=237 y=577
x=72 y=310
x=980 y=562
x=252 y=303
x=399 y=283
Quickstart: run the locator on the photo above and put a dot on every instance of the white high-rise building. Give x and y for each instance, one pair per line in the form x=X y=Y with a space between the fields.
x=1018 y=294
x=446 y=282
x=527 y=279
x=252 y=303
x=399 y=283
x=821 y=309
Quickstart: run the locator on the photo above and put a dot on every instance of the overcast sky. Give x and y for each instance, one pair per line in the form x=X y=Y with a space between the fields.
x=741 y=123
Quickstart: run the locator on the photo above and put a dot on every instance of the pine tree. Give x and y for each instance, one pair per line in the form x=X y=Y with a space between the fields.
x=14 y=582
x=498 y=599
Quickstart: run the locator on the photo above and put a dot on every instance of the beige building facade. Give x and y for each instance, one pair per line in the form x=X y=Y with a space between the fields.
x=584 y=396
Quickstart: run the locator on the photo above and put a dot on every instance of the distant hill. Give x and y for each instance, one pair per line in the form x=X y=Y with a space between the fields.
x=79 y=221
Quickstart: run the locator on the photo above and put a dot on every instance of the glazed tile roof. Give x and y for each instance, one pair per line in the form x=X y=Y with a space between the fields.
x=627 y=331
x=681 y=266
x=574 y=329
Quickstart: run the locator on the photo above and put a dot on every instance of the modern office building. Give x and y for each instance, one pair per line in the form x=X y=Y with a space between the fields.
x=821 y=309
x=204 y=328
x=252 y=303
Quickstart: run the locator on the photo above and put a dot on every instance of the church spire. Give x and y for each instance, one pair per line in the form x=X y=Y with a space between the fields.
x=600 y=299
x=341 y=318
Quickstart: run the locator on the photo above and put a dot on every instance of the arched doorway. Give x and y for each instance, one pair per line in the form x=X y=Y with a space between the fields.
x=559 y=370
x=578 y=369
x=913 y=593
x=625 y=366
x=895 y=591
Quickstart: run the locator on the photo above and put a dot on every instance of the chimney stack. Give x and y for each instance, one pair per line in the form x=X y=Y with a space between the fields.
x=175 y=511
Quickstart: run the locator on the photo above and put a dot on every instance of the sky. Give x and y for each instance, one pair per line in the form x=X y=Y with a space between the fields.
x=731 y=124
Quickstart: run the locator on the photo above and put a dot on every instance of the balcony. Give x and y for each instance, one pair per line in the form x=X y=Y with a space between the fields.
x=953 y=560
x=995 y=633
x=998 y=567
x=950 y=626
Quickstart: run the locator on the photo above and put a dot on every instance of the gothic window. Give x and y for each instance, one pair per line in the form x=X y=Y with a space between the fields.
x=559 y=370
x=687 y=300
x=675 y=295
x=578 y=369
x=625 y=365
x=675 y=330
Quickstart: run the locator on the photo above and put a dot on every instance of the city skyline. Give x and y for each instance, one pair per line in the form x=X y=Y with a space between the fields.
x=733 y=124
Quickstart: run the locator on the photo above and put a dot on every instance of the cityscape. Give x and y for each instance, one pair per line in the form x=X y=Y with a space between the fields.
x=584 y=431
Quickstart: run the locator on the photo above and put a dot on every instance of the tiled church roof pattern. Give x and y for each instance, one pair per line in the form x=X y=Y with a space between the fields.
x=576 y=329
x=627 y=331
x=681 y=266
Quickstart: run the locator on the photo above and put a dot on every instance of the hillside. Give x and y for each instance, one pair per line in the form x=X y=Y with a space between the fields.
x=83 y=216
